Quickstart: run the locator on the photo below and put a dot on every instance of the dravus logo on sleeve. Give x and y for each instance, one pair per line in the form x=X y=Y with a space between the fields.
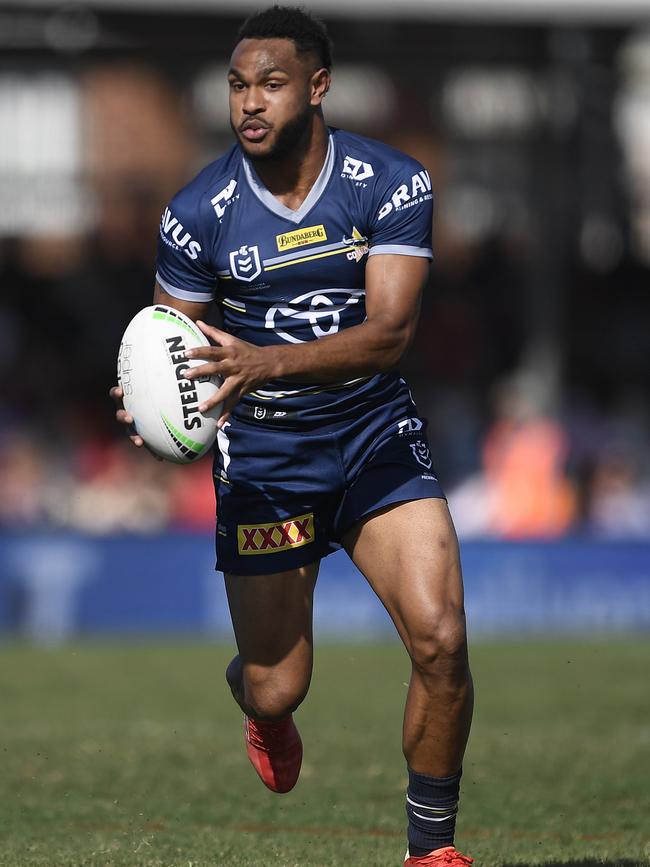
x=417 y=190
x=180 y=239
x=245 y=263
x=275 y=536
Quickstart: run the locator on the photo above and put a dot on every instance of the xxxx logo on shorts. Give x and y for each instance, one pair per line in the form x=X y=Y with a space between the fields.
x=276 y=536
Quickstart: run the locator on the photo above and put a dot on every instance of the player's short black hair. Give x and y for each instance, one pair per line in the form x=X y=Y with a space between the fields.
x=309 y=34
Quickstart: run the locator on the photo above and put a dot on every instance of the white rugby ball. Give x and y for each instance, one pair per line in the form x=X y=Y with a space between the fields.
x=164 y=405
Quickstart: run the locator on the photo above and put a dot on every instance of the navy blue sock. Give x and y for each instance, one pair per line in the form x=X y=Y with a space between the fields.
x=431 y=807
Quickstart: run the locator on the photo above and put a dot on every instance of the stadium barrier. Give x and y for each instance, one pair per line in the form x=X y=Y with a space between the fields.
x=55 y=586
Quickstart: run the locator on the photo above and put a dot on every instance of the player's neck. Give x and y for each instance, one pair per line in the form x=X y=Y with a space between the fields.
x=290 y=177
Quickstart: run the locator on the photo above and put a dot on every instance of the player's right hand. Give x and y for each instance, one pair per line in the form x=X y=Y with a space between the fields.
x=123 y=417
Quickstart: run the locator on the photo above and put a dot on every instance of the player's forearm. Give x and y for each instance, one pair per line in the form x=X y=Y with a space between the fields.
x=363 y=350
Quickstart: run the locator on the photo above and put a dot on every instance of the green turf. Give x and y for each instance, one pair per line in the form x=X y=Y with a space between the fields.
x=132 y=756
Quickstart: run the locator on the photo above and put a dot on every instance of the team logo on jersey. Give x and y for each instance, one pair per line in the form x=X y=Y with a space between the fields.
x=359 y=244
x=407 y=195
x=421 y=454
x=301 y=237
x=245 y=263
x=356 y=169
x=409 y=425
x=224 y=198
x=276 y=536
x=180 y=239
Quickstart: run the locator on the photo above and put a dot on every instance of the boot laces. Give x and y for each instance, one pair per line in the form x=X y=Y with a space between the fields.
x=455 y=859
x=264 y=735
x=447 y=858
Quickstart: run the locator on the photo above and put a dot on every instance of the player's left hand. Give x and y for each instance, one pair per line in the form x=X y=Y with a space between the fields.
x=242 y=367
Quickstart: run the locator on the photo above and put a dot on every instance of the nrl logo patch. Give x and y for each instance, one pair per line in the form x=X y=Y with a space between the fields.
x=245 y=263
x=421 y=453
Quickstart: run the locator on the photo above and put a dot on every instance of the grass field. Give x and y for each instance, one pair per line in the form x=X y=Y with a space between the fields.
x=132 y=755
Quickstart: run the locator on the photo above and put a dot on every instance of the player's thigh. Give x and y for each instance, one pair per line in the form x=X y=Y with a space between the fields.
x=272 y=616
x=409 y=554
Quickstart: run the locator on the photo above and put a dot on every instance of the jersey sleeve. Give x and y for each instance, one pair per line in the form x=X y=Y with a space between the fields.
x=402 y=216
x=182 y=265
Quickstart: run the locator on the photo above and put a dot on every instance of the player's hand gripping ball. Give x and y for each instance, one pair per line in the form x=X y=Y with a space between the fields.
x=165 y=405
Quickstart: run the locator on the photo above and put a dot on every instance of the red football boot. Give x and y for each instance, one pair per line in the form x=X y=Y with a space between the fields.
x=275 y=751
x=445 y=857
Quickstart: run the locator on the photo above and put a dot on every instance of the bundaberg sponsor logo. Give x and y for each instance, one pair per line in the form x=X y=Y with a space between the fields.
x=301 y=237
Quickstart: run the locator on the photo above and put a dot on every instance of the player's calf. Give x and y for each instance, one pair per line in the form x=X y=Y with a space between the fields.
x=438 y=716
x=440 y=700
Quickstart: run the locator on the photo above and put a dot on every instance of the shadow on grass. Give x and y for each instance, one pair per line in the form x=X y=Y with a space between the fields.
x=587 y=862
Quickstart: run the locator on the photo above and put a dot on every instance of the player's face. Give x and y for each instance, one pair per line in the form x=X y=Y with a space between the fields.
x=274 y=92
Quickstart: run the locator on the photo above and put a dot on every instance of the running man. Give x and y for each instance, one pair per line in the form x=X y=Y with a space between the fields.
x=315 y=243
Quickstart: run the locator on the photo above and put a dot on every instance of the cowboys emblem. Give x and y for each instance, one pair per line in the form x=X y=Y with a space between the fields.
x=245 y=263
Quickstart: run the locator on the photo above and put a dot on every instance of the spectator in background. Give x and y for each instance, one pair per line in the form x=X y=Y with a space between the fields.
x=617 y=501
x=523 y=490
x=23 y=475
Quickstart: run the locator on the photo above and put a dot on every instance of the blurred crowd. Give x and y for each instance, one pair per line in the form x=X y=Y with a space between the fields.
x=517 y=458
x=519 y=473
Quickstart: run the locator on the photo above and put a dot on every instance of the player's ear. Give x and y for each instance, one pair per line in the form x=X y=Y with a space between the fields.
x=320 y=84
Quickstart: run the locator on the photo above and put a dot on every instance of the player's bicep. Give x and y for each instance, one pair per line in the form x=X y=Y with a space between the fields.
x=394 y=285
x=192 y=309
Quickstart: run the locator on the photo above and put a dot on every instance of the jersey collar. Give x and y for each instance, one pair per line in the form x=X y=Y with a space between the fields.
x=267 y=198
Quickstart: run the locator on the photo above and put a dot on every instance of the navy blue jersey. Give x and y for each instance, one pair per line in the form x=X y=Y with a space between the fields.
x=285 y=276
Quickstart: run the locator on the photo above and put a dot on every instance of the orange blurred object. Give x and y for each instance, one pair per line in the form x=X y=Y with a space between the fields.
x=524 y=467
x=192 y=502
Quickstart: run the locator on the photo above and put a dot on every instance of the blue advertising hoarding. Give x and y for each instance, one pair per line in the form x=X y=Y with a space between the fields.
x=54 y=586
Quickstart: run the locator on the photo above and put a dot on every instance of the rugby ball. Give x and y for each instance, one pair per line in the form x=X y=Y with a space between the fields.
x=164 y=405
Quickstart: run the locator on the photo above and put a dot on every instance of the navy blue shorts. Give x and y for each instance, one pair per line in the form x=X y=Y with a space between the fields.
x=286 y=498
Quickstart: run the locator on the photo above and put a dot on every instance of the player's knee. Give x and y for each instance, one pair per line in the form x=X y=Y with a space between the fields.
x=439 y=640
x=273 y=697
